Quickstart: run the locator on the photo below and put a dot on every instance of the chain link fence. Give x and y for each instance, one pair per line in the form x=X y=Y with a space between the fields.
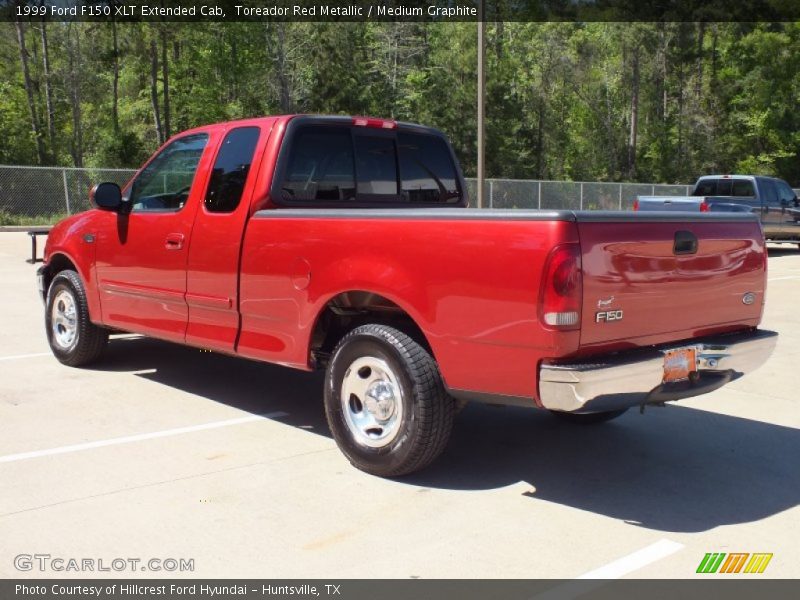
x=43 y=194
x=571 y=195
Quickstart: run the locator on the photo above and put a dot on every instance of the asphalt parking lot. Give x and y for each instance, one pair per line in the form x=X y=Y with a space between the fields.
x=167 y=452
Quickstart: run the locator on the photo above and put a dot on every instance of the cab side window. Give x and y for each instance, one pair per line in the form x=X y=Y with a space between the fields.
x=768 y=192
x=786 y=195
x=165 y=183
x=230 y=170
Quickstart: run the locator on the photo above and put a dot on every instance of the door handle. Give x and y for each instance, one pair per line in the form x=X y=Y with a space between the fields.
x=174 y=241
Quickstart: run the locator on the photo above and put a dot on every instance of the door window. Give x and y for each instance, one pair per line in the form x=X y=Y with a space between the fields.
x=164 y=184
x=768 y=192
x=786 y=195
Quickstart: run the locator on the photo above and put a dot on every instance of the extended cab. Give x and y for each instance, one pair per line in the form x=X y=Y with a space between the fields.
x=772 y=199
x=346 y=244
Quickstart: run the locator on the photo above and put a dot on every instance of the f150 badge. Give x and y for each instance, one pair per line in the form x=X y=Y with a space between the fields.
x=606 y=316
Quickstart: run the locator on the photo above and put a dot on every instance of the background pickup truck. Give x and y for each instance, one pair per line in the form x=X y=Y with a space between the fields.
x=771 y=199
x=346 y=244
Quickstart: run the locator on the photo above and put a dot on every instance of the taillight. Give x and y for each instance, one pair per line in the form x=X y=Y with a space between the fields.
x=376 y=123
x=636 y=204
x=562 y=288
x=704 y=206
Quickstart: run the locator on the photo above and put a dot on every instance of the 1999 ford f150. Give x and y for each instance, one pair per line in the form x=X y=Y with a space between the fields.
x=346 y=244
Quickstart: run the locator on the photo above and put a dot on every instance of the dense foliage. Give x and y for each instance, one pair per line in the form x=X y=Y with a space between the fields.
x=658 y=102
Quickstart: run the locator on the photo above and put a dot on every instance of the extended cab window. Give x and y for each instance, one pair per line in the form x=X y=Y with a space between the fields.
x=230 y=170
x=320 y=165
x=164 y=184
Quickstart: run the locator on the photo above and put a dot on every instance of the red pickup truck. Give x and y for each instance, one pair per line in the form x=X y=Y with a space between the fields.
x=346 y=244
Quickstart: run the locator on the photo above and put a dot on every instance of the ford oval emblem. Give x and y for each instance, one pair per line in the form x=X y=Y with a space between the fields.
x=748 y=298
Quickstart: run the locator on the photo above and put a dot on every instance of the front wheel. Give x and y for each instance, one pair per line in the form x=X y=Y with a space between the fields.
x=589 y=418
x=385 y=402
x=73 y=338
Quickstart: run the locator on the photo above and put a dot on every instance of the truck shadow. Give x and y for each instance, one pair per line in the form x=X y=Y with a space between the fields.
x=247 y=385
x=674 y=469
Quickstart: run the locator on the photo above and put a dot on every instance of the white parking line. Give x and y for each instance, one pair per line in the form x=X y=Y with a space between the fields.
x=591 y=581
x=782 y=278
x=139 y=437
x=634 y=562
x=19 y=356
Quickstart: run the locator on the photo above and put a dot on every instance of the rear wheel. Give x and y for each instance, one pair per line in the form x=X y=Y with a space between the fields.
x=385 y=402
x=589 y=418
x=73 y=338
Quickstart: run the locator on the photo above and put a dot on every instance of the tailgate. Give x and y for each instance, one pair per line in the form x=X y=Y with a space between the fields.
x=656 y=278
x=669 y=203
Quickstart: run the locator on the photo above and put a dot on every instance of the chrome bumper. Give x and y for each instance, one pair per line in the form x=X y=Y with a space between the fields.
x=636 y=377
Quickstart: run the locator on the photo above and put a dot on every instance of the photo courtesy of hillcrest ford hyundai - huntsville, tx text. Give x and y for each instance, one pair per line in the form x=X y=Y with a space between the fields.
x=346 y=245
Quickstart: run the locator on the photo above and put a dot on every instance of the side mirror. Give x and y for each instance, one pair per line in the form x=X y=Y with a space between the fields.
x=106 y=196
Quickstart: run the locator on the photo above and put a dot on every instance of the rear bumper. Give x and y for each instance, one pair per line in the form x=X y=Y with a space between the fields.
x=635 y=378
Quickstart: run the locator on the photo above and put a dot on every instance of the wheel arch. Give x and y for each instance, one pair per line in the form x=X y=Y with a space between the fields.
x=59 y=261
x=346 y=310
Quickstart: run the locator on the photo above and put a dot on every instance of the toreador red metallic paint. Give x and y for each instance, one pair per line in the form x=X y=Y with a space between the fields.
x=254 y=282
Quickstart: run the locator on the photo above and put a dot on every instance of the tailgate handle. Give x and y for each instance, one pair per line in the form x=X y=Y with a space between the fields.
x=685 y=243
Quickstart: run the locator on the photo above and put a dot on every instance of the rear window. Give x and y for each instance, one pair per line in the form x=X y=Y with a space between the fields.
x=376 y=165
x=705 y=187
x=724 y=187
x=743 y=187
x=427 y=170
x=330 y=164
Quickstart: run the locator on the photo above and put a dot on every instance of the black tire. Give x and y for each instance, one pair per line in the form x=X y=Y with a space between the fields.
x=424 y=419
x=88 y=341
x=589 y=418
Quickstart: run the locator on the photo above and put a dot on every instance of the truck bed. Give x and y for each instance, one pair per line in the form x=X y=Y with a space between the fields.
x=469 y=279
